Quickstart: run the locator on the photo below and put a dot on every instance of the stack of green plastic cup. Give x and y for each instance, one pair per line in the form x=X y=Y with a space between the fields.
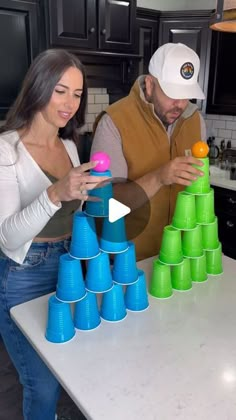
x=160 y=286
x=185 y=212
x=205 y=212
x=198 y=269
x=181 y=276
x=171 y=246
x=202 y=184
x=210 y=238
x=214 y=261
x=192 y=242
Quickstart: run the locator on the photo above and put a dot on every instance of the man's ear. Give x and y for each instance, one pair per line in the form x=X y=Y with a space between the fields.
x=149 y=84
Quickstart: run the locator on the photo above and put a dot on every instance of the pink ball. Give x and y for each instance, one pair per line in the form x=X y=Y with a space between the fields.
x=103 y=161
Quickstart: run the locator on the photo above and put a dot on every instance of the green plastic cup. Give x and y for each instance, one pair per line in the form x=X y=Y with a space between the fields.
x=160 y=285
x=181 y=276
x=192 y=242
x=198 y=269
x=171 y=248
x=185 y=211
x=202 y=184
x=205 y=211
x=210 y=239
x=214 y=264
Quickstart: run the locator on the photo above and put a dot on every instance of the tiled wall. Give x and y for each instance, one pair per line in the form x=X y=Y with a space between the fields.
x=98 y=100
x=223 y=127
x=220 y=126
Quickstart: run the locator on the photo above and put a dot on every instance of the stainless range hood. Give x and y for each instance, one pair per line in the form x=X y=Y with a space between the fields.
x=224 y=19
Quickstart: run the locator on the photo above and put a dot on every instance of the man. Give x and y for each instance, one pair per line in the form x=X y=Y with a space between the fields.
x=149 y=135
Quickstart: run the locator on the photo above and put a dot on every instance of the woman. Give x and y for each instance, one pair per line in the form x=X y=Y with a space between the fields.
x=41 y=185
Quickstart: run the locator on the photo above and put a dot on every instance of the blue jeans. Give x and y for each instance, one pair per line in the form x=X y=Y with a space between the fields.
x=19 y=283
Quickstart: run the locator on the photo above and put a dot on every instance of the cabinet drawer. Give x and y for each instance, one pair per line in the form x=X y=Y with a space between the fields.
x=225 y=201
x=227 y=228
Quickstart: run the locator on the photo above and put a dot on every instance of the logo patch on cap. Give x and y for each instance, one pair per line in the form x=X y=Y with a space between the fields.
x=187 y=70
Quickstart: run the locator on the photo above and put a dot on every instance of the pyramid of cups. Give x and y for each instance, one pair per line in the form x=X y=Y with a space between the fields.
x=98 y=278
x=190 y=248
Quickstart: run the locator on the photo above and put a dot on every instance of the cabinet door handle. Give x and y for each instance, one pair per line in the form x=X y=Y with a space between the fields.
x=230 y=224
x=231 y=201
x=103 y=31
x=91 y=30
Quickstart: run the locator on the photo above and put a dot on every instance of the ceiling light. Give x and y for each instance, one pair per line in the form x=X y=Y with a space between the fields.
x=224 y=19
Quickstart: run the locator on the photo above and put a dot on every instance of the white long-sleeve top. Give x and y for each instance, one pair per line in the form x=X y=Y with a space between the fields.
x=25 y=207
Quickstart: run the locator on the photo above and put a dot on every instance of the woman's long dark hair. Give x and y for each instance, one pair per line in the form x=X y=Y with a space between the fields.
x=37 y=88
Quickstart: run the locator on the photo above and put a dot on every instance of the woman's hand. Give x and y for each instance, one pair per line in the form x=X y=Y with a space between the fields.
x=75 y=185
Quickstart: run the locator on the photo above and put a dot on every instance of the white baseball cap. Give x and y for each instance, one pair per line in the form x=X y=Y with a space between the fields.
x=176 y=67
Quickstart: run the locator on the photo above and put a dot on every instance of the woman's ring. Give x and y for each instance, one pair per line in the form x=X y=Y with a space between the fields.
x=83 y=190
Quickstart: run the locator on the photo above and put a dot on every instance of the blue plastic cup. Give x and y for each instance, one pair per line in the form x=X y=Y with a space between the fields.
x=113 y=238
x=84 y=243
x=124 y=269
x=60 y=327
x=136 y=297
x=98 y=276
x=70 y=283
x=113 y=304
x=104 y=193
x=86 y=314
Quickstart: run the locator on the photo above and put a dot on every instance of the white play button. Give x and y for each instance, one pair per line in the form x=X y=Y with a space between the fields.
x=117 y=210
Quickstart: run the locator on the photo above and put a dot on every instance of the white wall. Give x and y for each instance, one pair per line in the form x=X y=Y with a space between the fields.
x=177 y=4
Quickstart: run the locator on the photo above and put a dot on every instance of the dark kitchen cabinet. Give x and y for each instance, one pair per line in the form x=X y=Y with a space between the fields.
x=147 y=27
x=100 y=25
x=225 y=210
x=19 y=44
x=222 y=86
x=190 y=28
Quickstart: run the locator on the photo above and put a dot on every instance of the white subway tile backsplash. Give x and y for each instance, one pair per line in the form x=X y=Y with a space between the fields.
x=230 y=125
x=90 y=118
x=219 y=124
x=102 y=99
x=91 y=99
x=94 y=109
x=96 y=91
x=224 y=133
x=212 y=117
x=98 y=101
x=226 y=117
x=222 y=127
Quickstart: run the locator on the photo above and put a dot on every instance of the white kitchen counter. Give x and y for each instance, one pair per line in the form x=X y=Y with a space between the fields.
x=220 y=181
x=176 y=360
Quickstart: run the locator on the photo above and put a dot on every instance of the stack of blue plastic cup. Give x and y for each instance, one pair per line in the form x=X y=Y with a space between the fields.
x=113 y=304
x=124 y=269
x=70 y=284
x=98 y=277
x=113 y=238
x=104 y=193
x=136 y=297
x=60 y=327
x=86 y=314
x=84 y=243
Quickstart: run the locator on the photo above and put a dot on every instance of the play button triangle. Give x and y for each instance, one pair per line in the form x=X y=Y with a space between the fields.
x=117 y=210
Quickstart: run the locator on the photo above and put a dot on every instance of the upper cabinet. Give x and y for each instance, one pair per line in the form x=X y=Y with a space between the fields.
x=19 y=44
x=221 y=97
x=146 y=38
x=190 y=28
x=98 y=25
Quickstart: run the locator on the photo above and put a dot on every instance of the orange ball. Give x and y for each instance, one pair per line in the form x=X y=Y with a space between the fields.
x=200 y=149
